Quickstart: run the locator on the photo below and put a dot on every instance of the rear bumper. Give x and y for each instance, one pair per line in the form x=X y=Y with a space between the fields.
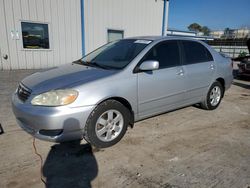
x=33 y=119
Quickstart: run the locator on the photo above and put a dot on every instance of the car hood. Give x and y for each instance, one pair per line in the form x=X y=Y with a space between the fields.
x=64 y=76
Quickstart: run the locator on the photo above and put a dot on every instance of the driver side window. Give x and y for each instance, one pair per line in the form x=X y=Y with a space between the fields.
x=166 y=53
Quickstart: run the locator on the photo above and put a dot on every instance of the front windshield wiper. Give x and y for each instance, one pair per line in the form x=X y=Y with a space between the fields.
x=93 y=64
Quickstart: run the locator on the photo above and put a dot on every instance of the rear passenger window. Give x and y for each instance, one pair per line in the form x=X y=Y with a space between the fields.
x=167 y=53
x=195 y=53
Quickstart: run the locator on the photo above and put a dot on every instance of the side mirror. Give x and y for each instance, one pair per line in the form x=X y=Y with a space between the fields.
x=149 y=65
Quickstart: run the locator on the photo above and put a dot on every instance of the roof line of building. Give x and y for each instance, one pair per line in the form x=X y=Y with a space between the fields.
x=197 y=37
x=177 y=30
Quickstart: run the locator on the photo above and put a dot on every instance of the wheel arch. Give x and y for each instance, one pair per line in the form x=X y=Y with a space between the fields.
x=126 y=103
x=222 y=82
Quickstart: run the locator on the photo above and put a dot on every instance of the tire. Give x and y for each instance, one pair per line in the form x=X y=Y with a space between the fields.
x=107 y=124
x=213 y=101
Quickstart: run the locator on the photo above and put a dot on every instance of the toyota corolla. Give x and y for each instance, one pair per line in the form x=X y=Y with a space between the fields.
x=98 y=96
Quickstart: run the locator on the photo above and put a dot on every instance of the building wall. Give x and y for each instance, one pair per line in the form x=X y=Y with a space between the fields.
x=242 y=33
x=181 y=33
x=217 y=34
x=231 y=33
x=64 y=19
x=135 y=17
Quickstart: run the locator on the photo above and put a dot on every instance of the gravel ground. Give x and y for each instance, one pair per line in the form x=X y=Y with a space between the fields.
x=184 y=148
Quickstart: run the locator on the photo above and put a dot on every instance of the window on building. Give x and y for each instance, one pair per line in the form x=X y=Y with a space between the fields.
x=166 y=53
x=196 y=53
x=35 y=35
x=115 y=35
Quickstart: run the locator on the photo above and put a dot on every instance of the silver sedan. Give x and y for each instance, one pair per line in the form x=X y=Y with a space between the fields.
x=99 y=96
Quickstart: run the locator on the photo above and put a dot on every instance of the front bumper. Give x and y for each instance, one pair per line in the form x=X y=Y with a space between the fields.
x=33 y=119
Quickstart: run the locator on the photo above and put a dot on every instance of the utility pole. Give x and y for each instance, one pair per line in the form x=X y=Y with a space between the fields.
x=165 y=17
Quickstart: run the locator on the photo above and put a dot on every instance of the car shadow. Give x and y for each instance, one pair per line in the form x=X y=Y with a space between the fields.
x=240 y=84
x=70 y=165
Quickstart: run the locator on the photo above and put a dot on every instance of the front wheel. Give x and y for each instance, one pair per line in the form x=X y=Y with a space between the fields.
x=107 y=124
x=214 y=96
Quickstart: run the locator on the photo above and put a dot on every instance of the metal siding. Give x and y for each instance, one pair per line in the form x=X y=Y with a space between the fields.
x=63 y=17
x=87 y=25
x=48 y=18
x=67 y=23
x=135 y=17
x=78 y=29
x=55 y=31
x=17 y=11
x=25 y=10
x=61 y=33
x=42 y=55
x=4 y=47
x=74 y=23
x=10 y=26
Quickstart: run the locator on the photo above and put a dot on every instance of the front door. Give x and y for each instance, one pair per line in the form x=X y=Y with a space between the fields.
x=161 y=90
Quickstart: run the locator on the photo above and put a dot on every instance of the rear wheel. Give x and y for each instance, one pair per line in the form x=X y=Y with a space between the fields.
x=107 y=124
x=214 y=96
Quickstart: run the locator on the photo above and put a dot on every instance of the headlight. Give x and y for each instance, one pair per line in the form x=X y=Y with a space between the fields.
x=55 y=98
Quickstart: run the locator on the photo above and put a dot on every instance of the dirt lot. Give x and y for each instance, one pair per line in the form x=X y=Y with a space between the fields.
x=185 y=148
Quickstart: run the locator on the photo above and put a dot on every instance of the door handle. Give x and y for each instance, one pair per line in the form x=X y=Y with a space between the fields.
x=211 y=66
x=180 y=72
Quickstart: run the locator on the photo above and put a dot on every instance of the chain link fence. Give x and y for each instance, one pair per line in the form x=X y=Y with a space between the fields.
x=231 y=47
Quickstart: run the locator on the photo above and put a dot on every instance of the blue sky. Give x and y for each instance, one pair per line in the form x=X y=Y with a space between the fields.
x=216 y=14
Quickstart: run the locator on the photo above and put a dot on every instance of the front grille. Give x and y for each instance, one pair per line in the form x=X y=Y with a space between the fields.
x=23 y=92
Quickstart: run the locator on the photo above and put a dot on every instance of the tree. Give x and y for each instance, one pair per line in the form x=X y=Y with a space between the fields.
x=195 y=27
x=205 y=30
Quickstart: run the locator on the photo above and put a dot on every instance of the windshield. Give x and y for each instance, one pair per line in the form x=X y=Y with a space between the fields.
x=117 y=54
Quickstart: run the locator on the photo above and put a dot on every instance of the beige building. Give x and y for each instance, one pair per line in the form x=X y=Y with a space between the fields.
x=242 y=33
x=232 y=33
x=217 y=34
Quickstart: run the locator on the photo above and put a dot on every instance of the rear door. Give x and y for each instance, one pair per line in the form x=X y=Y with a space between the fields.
x=199 y=68
x=163 y=89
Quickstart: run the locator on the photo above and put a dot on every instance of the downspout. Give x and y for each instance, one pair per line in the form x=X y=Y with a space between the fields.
x=165 y=17
x=83 y=27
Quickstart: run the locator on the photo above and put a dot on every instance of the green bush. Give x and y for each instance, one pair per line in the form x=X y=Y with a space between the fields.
x=242 y=54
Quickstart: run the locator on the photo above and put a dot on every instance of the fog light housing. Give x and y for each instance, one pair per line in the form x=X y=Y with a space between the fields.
x=54 y=132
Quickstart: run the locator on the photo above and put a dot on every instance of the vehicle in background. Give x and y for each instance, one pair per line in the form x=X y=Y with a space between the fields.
x=244 y=65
